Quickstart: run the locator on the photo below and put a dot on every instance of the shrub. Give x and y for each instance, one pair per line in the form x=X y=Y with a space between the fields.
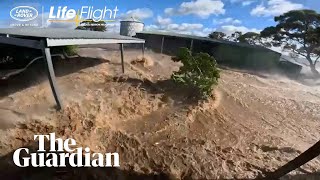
x=68 y=50
x=198 y=71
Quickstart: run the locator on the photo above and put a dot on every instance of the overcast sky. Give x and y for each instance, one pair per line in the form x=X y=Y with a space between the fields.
x=198 y=17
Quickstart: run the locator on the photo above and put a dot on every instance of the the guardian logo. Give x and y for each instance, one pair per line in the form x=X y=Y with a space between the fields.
x=63 y=153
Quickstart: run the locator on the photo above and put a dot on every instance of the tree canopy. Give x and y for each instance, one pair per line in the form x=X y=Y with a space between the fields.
x=91 y=25
x=235 y=36
x=299 y=31
x=249 y=37
x=217 y=35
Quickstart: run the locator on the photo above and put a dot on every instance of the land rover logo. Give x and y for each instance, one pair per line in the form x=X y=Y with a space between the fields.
x=24 y=13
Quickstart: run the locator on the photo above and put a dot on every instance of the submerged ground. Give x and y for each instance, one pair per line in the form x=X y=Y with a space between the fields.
x=254 y=123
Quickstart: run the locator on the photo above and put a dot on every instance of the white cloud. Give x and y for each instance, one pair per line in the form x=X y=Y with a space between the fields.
x=235 y=1
x=169 y=11
x=228 y=20
x=64 y=25
x=140 y=13
x=229 y=29
x=204 y=32
x=200 y=8
x=177 y=28
x=113 y=28
x=275 y=8
x=183 y=28
x=163 y=21
x=151 y=27
x=243 y=2
x=247 y=3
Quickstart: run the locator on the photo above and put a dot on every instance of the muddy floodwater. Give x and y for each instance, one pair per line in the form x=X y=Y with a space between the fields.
x=253 y=124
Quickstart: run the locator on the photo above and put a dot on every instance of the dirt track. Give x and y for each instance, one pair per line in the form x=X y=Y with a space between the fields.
x=253 y=125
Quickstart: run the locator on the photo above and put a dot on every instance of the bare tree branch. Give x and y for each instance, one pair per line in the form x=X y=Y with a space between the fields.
x=315 y=62
x=302 y=54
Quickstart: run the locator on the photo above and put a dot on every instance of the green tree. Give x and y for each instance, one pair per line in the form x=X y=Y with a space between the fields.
x=235 y=36
x=198 y=71
x=298 y=31
x=217 y=35
x=91 y=25
x=254 y=38
x=250 y=38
